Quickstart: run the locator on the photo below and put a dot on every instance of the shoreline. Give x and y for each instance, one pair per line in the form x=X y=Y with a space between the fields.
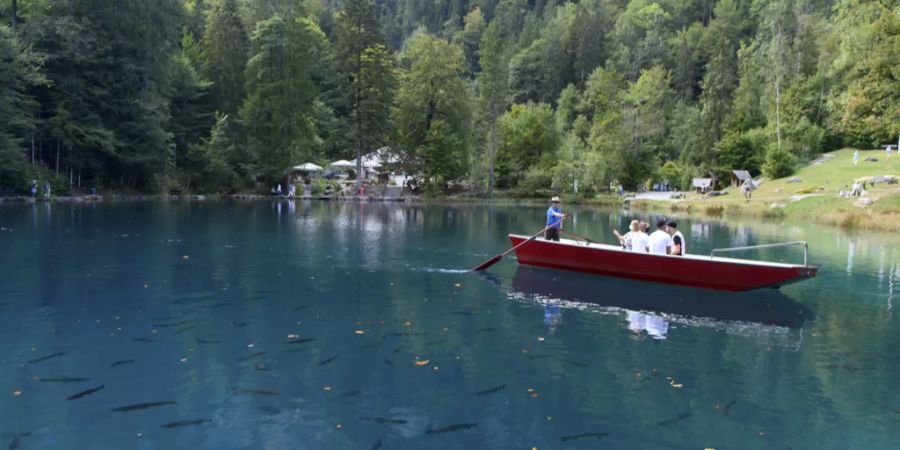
x=858 y=219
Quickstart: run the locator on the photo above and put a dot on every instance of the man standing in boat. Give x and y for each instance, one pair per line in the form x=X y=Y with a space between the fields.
x=679 y=247
x=554 y=220
x=660 y=240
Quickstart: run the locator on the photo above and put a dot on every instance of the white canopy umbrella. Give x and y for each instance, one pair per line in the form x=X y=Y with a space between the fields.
x=308 y=167
x=343 y=164
x=371 y=164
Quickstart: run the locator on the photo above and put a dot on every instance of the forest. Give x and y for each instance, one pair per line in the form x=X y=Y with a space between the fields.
x=517 y=96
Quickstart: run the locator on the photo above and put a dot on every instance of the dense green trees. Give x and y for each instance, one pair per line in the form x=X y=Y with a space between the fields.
x=433 y=109
x=226 y=95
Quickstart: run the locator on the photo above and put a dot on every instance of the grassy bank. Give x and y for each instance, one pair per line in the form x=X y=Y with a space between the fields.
x=814 y=197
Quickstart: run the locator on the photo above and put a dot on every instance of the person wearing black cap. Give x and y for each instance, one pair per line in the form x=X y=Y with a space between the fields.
x=679 y=247
x=554 y=220
x=660 y=241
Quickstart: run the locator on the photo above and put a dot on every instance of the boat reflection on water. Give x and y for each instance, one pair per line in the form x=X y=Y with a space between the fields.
x=651 y=309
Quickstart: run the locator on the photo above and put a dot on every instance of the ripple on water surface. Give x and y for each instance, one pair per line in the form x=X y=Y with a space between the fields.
x=327 y=325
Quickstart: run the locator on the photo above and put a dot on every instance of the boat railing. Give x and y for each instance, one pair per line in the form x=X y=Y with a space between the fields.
x=712 y=254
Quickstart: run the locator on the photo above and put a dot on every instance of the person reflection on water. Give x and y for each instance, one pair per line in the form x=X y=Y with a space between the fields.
x=552 y=317
x=554 y=220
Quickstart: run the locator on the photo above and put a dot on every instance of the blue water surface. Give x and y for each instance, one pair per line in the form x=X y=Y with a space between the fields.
x=316 y=325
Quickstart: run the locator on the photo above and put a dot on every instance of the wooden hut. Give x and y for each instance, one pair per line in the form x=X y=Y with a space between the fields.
x=702 y=185
x=739 y=177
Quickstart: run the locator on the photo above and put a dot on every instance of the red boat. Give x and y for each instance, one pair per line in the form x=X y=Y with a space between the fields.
x=709 y=272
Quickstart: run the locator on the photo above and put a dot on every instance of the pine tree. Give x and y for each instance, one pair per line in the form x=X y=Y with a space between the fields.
x=368 y=64
x=225 y=46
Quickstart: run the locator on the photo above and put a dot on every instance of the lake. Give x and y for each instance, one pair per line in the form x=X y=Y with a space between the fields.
x=317 y=325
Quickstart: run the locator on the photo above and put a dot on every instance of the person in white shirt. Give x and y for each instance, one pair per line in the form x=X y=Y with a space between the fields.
x=660 y=240
x=640 y=242
x=625 y=239
x=679 y=246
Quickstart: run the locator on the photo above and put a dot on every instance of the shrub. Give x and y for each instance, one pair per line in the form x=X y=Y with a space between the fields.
x=779 y=162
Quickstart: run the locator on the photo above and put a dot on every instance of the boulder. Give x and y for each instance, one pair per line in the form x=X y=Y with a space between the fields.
x=793 y=180
x=863 y=202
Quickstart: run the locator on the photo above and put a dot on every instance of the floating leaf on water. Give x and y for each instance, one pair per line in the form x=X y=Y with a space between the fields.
x=186 y=257
x=423 y=362
x=457 y=285
x=540 y=339
x=360 y=332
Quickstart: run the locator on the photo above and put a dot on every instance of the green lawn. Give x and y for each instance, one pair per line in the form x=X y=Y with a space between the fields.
x=815 y=197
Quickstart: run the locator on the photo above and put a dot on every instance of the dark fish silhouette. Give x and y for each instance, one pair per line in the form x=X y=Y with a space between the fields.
x=492 y=390
x=401 y=348
x=675 y=419
x=576 y=437
x=451 y=428
x=251 y=356
x=239 y=324
x=388 y=362
x=435 y=342
x=326 y=361
x=185 y=423
x=268 y=410
x=254 y=391
x=169 y=325
x=17 y=440
x=182 y=330
x=140 y=339
x=574 y=362
x=377 y=445
x=61 y=379
x=347 y=394
x=261 y=367
x=299 y=341
x=85 y=392
x=462 y=313
x=44 y=358
x=204 y=341
x=486 y=330
x=383 y=420
x=119 y=363
x=217 y=305
x=727 y=408
x=300 y=308
x=408 y=334
x=147 y=405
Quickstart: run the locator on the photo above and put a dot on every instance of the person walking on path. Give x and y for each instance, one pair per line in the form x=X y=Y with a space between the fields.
x=554 y=220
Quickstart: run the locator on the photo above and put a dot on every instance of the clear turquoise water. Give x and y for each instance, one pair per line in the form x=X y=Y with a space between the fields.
x=209 y=305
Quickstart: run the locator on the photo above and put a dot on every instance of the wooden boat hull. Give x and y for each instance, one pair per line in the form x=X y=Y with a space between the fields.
x=725 y=274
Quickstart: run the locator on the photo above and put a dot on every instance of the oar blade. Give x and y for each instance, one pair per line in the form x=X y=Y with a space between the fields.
x=487 y=263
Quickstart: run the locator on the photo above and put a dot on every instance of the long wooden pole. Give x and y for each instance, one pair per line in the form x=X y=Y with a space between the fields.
x=500 y=256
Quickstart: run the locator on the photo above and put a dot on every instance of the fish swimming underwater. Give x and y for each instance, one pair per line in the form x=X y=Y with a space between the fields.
x=44 y=358
x=451 y=428
x=185 y=423
x=85 y=392
x=139 y=406
x=492 y=390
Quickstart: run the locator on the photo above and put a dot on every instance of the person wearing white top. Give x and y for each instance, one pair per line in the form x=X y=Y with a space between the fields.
x=640 y=242
x=625 y=239
x=660 y=241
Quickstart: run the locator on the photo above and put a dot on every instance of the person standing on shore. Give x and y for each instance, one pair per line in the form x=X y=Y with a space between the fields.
x=33 y=188
x=554 y=220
